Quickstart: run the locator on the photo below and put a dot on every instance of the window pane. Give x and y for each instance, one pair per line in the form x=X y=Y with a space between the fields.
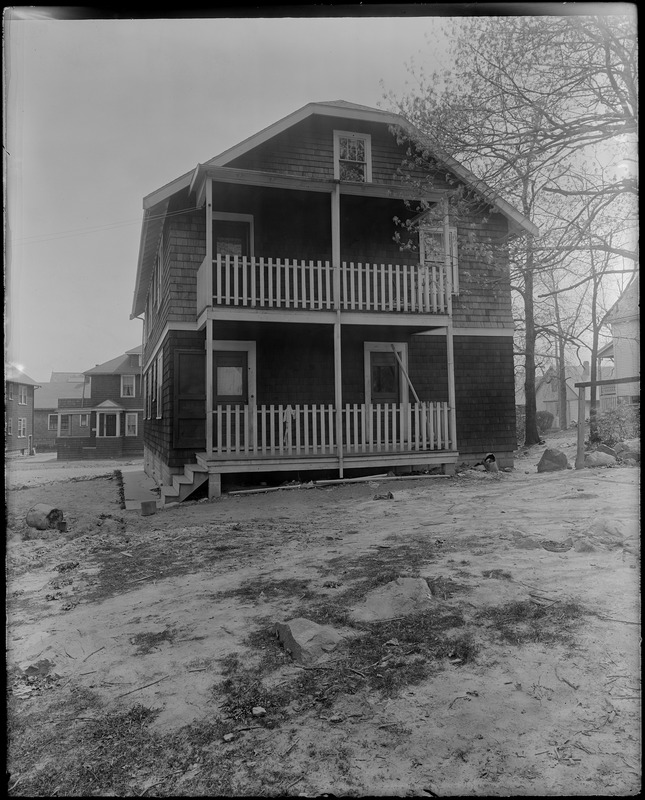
x=229 y=247
x=352 y=172
x=64 y=422
x=230 y=381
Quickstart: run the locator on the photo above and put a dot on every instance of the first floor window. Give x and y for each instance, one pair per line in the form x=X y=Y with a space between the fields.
x=52 y=422
x=64 y=422
x=130 y=424
x=84 y=420
x=9 y=426
x=22 y=427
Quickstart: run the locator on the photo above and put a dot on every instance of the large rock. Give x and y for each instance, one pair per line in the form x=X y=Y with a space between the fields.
x=552 y=461
x=399 y=598
x=603 y=448
x=599 y=459
x=306 y=640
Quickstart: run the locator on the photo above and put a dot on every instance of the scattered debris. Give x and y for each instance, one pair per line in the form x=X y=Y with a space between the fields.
x=66 y=566
x=258 y=711
x=388 y=496
x=557 y=547
x=228 y=737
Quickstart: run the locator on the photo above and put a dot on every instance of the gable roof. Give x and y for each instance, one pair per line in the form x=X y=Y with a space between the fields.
x=156 y=203
x=15 y=375
x=48 y=394
x=121 y=365
x=626 y=308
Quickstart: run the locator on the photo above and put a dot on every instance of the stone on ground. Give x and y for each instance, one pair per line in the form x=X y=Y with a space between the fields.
x=399 y=598
x=306 y=640
x=552 y=461
x=599 y=459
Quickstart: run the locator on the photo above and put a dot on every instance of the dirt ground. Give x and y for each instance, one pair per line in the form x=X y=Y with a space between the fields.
x=136 y=644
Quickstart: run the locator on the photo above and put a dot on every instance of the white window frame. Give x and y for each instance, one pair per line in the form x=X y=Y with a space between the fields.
x=159 y=377
x=51 y=417
x=22 y=427
x=438 y=230
x=9 y=426
x=368 y=153
x=134 y=385
x=82 y=417
x=385 y=347
x=22 y=395
x=10 y=391
x=128 y=416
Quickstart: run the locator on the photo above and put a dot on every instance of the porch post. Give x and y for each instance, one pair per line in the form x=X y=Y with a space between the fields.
x=449 y=329
x=59 y=427
x=580 y=441
x=335 y=260
x=451 y=387
x=209 y=388
x=209 y=322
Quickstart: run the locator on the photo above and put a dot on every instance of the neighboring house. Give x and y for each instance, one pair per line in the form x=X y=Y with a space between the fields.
x=105 y=421
x=623 y=319
x=19 y=411
x=547 y=391
x=285 y=330
x=60 y=385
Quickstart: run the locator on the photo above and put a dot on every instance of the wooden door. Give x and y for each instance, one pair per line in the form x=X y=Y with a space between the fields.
x=189 y=402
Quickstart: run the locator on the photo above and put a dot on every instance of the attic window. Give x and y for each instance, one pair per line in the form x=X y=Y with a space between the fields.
x=352 y=157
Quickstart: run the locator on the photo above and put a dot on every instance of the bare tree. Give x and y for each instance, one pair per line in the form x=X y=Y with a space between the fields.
x=530 y=104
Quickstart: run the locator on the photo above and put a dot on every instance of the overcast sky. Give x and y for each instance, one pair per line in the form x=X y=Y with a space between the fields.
x=103 y=112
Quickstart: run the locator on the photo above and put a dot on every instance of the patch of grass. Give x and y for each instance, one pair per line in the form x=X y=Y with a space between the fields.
x=500 y=574
x=243 y=688
x=524 y=621
x=272 y=589
x=146 y=642
x=446 y=587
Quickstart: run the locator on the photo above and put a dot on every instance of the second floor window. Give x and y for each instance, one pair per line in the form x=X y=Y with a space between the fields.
x=22 y=395
x=127 y=385
x=352 y=157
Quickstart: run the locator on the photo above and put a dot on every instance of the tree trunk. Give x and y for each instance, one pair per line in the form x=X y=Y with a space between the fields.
x=531 y=435
x=562 y=369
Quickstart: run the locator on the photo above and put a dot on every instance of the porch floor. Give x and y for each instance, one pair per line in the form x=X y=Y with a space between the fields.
x=273 y=462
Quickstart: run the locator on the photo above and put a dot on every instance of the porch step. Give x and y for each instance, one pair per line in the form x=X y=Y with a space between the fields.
x=184 y=485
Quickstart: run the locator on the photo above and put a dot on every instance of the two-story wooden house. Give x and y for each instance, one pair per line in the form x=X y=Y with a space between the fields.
x=46 y=419
x=19 y=411
x=285 y=330
x=104 y=419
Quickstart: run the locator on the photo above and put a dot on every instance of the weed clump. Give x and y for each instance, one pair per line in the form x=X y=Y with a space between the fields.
x=525 y=621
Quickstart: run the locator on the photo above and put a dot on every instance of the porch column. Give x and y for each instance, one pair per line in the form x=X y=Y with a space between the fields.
x=209 y=388
x=451 y=387
x=449 y=330
x=209 y=322
x=59 y=428
x=335 y=260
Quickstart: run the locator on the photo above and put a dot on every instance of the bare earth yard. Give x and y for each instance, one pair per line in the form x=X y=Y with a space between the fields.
x=136 y=644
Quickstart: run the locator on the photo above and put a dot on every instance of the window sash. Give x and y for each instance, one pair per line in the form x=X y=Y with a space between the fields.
x=131 y=424
x=352 y=156
x=128 y=386
x=22 y=427
x=52 y=422
x=22 y=395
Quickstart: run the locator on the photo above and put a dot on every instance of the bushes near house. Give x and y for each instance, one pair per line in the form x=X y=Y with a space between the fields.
x=622 y=422
x=544 y=420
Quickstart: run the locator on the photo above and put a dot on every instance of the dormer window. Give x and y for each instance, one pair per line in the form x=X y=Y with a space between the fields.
x=352 y=157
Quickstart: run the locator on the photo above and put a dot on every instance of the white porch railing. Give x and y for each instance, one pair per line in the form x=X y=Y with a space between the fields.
x=310 y=430
x=295 y=284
